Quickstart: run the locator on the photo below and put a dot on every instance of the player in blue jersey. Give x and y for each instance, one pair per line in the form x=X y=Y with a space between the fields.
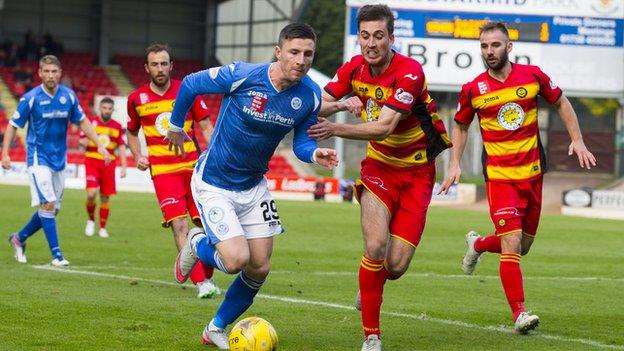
x=262 y=103
x=47 y=109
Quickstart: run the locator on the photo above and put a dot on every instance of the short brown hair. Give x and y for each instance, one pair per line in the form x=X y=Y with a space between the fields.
x=490 y=26
x=296 y=31
x=107 y=100
x=50 y=60
x=376 y=13
x=157 y=47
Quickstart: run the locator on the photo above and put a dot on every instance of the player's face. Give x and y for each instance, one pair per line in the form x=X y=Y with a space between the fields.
x=50 y=75
x=106 y=111
x=495 y=48
x=159 y=67
x=295 y=58
x=375 y=42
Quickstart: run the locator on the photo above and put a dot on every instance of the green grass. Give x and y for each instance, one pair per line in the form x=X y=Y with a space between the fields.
x=134 y=304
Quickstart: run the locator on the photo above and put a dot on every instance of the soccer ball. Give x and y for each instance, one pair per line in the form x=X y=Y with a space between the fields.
x=253 y=334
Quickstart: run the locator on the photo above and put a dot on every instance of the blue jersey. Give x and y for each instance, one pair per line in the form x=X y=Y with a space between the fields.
x=253 y=119
x=47 y=118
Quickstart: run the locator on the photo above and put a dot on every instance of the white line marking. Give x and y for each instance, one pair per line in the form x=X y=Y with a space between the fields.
x=416 y=275
x=421 y=317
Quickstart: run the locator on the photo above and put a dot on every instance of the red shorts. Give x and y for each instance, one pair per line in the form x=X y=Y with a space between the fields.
x=515 y=206
x=174 y=196
x=406 y=194
x=100 y=176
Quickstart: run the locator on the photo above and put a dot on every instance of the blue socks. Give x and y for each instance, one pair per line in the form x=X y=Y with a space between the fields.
x=48 y=223
x=30 y=228
x=207 y=253
x=238 y=298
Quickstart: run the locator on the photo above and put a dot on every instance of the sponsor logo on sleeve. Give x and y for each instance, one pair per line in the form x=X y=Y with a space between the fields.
x=552 y=84
x=213 y=72
x=411 y=76
x=403 y=96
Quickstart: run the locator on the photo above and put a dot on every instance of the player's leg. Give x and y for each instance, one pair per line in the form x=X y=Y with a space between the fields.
x=93 y=183
x=48 y=212
x=104 y=213
x=531 y=219
x=108 y=188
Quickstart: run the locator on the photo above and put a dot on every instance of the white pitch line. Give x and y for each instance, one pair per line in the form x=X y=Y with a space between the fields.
x=417 y=275
x=421 y=317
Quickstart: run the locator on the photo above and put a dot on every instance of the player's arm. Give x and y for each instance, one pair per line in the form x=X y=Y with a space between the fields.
x=331 y=105
x=375 y=130
x=122 y=158
x=216 y=80
x=306 y=148
x=142 y=162
x=206 y=129
x=577 y=146
x=87 y=128
x=9 y=134
x=459 y=139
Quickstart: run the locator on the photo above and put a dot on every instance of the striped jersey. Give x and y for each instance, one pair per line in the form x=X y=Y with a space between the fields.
x=507 y=111
x=110 y=135
x=47 y=117
x=420 y=135
x=152 y=112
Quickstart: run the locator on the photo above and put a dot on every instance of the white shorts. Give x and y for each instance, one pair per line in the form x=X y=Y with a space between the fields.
x=46 y=185
x=226 y=214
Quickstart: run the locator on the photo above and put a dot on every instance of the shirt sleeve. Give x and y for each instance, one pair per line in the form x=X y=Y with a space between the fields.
x=199 y=110
x=303 y=145
x=407 y=90
x=21 y=114
x=120 y=140
x=340 y=85
x=215 y=80
x=548 y=89
x=77 y=114
x=133 y=117
x=465 y=113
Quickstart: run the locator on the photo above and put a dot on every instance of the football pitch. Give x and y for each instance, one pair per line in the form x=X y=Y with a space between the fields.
x=119 y=293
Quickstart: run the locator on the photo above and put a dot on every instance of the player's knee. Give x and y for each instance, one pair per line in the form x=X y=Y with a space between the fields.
x=259 y=271
x=396 y=269
x=375 y=249
x=235 y=263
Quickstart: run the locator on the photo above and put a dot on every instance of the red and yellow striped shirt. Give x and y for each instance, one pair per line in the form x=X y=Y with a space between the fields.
x=152 y=112
x=508 y=120
x=110 y=135
x=420 y=135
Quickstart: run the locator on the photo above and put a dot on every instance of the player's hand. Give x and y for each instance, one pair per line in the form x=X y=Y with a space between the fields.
x=176 y=140
x=452 y=178
x=586 y=158
x=322 y=130
x=6 y=162
x=123 y=172
x=107 y=157
x=142 y=163
x=326 y=157
x=353 y=105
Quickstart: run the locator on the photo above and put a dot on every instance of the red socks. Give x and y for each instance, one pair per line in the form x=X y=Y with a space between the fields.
x=511 y=279
x=91 y=210
x=201 y=272
x=104 y=211
x=490 y=243
x=372 y=277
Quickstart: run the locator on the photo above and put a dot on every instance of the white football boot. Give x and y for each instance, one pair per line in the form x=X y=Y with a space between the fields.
x=525 y=323
x=103 y=233
x=187 y=258
x=19 y=248
x=207 y=289
x=215 y=336
x=472 y=256
x=90 y=228
x=59 y=263
x=372 y=343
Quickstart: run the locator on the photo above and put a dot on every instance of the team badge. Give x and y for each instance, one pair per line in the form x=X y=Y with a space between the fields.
x=63 y=100
x=104 y=140
x=162 y=123
x=372 y=110
x=222 y=228
x=295 y=103
x=521 y=92
x=379 y=95
x=501 y=222
x=215 y=214
x=510 y=116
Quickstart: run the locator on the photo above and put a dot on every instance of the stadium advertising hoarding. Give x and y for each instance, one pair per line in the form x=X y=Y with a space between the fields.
x=579 y=43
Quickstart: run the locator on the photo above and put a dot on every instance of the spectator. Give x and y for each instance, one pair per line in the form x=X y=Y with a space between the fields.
x=319 y=190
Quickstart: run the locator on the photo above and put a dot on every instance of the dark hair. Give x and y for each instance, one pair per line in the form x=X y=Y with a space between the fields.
x=490 y=26
x=376 y=13
x=296 y=31
x=157 y=47
x=50 y=60
x=107 y=100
